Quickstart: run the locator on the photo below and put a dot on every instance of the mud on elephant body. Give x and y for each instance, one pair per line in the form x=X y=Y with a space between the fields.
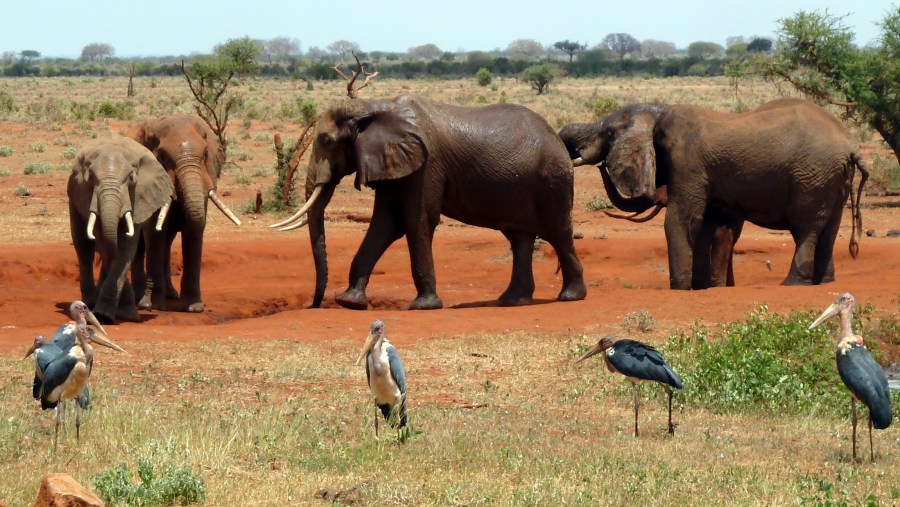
x=785 y=165
x=115 y=187
x=190 y=152
x=500 y=167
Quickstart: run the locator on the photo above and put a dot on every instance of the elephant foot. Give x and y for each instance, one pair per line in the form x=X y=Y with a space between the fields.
x=353 y=299
x=144 y=303
x=510 y=299
x=171 y=292
x=573 y=292
x=104 y=315
x=127 y=316
x=197 y=307
x=796 y=280
x=427 y=302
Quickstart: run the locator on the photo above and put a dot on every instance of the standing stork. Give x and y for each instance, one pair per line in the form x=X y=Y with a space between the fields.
x=385 y=376
x=63 y=364
x=861 y=374
x=637 y=361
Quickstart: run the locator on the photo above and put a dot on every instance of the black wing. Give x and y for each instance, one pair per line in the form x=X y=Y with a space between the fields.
x=638 y=360
x=397 y=371
x=868 y=383
x=64 y=336
x=54 y=376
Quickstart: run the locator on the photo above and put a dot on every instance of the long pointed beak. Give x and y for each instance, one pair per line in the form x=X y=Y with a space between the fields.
x=596 y=350
x=105 y=341
x=31 y=350
x=366 y=348
x=92 y=319
x=829 y=312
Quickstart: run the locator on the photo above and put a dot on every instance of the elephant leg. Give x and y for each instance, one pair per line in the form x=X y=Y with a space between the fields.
x=573 y=287
x=703 y=253
x=521 y=285
x=84 y=250
x=156 y=247
x=801 y=272
x=384 y=228
x=823 y=267
x=735 y=226
x=192 y=253
x=420 y=228
x=171 y=231
x=682 y=226
x=110 y=306
x=139 y=273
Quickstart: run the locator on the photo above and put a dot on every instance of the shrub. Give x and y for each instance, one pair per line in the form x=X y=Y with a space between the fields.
x=308 y=108
x=21 y=191
x=599 y=203
x=172 y=486
x=117 y=110
x=5 y=171
x=7 y=105
x=37 y=168
x=38 y=147
x=484 y=76
x=6 y=151
x=640 y=320
x=539 y=76
x=604 y=106
x=69 y=152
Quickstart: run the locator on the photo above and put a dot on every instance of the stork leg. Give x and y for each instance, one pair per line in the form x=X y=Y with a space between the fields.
x=635 y=395
x=377 y=413
x=853 y=412
x=77 y=422
x=59 y=408
x=671 y=426
x=871 y=449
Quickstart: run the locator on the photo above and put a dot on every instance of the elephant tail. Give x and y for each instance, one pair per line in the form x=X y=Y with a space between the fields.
x=856 y=162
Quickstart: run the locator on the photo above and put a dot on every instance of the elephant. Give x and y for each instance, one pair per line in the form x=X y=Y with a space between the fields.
x=191 y=154
x=116 y=186
x=498 y=166
x=786 y=165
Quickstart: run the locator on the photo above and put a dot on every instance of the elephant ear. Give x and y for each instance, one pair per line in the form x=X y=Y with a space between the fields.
x=79 y=188
x=214 y=154
x=632 y=160
x=390 y=144
x=153 y=188
x=144 y=134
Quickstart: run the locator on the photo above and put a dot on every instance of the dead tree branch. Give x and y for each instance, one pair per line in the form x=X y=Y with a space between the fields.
x=360 y=70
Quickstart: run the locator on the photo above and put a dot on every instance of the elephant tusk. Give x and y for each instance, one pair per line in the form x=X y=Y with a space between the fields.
x=303 y=210
x=224 y=209
x=92 y=219
x=634 y=216
x=298 y=225
x=163 y=211
x=577 y=162
x=129 y=223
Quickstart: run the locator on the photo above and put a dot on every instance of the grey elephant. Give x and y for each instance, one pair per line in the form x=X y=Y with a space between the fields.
x=190 y=152
x=116 y=186
x=499 y=166
x=787 y=165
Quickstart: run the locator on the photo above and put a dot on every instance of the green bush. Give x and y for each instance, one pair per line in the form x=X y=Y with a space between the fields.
x=484 y=76
x=604 y=106
x=38 y=147
x=599 y=203
x=308 y=108
x=37 y=168
x=69 y=152
x=21 y=190
x=116 y=110
x=7 y=105
x=641 y=320
x=173 y=486
x=6 y=151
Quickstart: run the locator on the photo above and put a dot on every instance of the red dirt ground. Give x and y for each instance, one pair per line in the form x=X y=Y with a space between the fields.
x=257 y=282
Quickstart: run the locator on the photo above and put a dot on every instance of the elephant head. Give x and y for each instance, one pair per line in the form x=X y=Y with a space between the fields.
x=375 y=140
x=116 y=180
x=622 y=145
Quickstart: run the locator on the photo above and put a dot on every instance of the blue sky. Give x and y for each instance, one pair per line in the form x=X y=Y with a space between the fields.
x=181 y=27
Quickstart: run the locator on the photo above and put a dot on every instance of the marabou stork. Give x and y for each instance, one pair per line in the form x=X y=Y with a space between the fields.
x=861 y=374
x=63 y=364
x=637 y=361
x=385 y=376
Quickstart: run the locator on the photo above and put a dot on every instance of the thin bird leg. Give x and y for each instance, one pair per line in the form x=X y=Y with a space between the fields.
x=56 y=426
x=853 y=405
x=634 y=393
x=871 y=450
x=77 y=422
x=671 y=426
x=377 y=413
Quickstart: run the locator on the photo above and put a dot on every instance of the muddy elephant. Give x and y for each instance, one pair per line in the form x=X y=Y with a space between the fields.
x=190 y=152
x=498 y=166
x=787 y=165
x=115 y=187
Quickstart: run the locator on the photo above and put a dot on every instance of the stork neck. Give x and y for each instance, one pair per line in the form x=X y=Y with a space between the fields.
x=376 y=354
x=846 y=323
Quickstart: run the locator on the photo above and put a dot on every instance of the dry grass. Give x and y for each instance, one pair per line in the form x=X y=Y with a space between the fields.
x=496 y=420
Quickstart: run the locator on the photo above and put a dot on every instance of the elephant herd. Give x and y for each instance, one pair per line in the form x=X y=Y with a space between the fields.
x=786 y=165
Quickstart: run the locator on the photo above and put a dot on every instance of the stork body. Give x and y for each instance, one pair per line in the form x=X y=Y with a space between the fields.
x=639 y=362
x=63 y=364
x=863 y=377
x=385 y=376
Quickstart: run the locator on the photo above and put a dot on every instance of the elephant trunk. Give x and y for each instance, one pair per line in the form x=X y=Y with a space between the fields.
x=191 y=189
x=110 y=210
x=638 y=204
x=319 y=190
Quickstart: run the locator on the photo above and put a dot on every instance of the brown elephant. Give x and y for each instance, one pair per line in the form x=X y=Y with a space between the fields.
x=190 y=152
x=786 y=165
x=498 y=166
x=116 y=186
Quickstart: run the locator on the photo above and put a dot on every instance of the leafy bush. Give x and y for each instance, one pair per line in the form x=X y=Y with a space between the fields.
x=7 y=105
x=38 y=147
x=6 y=151
x=539 y=76
x=117 y=110
x=37 y=168
x=69 y=152
x=308 y=108
x=598 y=203
x=5 y=171
x=641 y=320
x=173 y=486
x=21 y=191
x=484 y=76
x=767 y=363
x=604 y=106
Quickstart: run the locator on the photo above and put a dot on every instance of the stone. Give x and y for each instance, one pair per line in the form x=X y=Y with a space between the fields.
x=870 y=233
x=61 y=490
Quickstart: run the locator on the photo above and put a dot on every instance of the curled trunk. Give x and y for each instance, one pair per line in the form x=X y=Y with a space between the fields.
x=191 y=189
x=637 y=204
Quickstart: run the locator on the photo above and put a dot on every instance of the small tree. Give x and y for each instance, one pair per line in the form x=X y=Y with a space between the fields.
x=704 y=50
x=621 y=44
x=484 y=76
x=281 y=48
x=759 y=45
x=570 y=48
x=97 y=51
x=29 y=54
x=425 y=51
x=525 y=49
x=539 y=76
x=656 y=48
x=342 y=47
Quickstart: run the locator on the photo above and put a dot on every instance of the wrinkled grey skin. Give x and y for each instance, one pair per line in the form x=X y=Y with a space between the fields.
x=189 y=151
x=111 y=176
x=786 y=165
x=500 y=167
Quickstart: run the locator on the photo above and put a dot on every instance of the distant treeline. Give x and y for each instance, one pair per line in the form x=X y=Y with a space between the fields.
x=584 y=66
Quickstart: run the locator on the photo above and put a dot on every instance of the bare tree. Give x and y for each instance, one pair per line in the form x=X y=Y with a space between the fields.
x=656 y=48
x=735 y=39
x=525 y=48
x=316 y=53
x=621 y=44
x=426 y=51
x=8 y=57
x=281 y=48
x=570 y=48
x=97 y=51
x=342 y=47
x=360 y=70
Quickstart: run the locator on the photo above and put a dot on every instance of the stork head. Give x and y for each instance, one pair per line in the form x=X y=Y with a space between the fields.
x=82 y=314
x=38 y=343
x=844 y=302
x=87 y=335
x=376 y=331
x=605 y=343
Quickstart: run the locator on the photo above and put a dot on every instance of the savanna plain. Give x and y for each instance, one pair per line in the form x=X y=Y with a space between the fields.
x=257 y=400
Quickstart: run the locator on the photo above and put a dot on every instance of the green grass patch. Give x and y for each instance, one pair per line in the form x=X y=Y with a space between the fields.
x=6 y=151
x=37 y=168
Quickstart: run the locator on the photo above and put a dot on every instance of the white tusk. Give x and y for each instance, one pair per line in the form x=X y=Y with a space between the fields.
x=92 y=219
x=577 y=162
x=129 y=222
x=224 y=209
x=298 y=225
x=162 y=215
x=303 y=210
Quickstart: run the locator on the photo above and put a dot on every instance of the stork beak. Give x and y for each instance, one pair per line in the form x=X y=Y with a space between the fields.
x=31 y=350
x=829 y=312
x=370 y=340
x=596 y=350
x=92 y=319
x=105 y=341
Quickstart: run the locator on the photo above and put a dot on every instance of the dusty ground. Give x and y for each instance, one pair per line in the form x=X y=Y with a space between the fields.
x=257 y=282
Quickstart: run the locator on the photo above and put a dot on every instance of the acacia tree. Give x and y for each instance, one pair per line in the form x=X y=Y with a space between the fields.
x=425 y=51
x=621 y=44
x=570 y=48
x=281 y=48
x=342 y=47
x=817 y=57
x=656 y=48
x=539 y=76
x=97 y=51
x=525 y=48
